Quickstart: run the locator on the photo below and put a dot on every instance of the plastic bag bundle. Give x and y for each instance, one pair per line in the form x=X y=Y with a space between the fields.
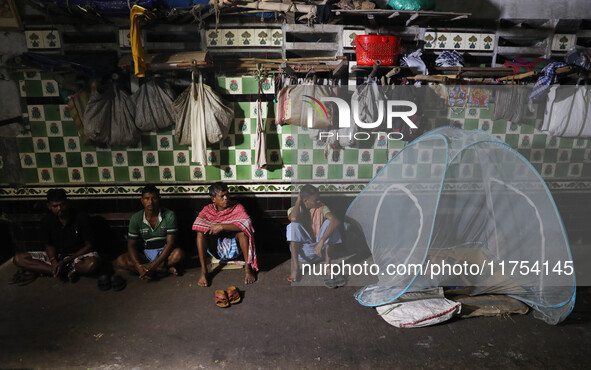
x=421 y=308
x=413 y=94
x=412 y=4
x=367 y=97
x=579 y=56
x=109 y=117
x=154 y=107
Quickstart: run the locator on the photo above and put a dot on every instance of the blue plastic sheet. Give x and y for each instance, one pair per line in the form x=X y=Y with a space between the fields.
x=104 y=6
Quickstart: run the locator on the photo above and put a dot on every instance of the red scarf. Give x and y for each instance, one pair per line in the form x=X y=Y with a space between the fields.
x=234 y=214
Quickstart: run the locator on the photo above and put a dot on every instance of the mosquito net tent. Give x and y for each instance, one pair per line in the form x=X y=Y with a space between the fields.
x=462 y=208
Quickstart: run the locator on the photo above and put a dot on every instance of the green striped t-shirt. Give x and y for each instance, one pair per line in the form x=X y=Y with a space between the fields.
x=155 y=238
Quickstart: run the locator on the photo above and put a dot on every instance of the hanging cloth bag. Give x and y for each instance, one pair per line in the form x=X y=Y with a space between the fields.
x=294 y=102
x=567 y=112
x=109 y=117
x=124 y=132
x=190 y=124
x=154 y=104
x=218 y=116
x=97 y=126
x=202 y=118
x=77 y=103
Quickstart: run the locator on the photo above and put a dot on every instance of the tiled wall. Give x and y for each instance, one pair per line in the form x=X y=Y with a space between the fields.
x=244 y=37
x=52 y=152
x=553 y=157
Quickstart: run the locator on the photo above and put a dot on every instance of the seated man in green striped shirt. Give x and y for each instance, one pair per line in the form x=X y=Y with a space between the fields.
x=157 y=228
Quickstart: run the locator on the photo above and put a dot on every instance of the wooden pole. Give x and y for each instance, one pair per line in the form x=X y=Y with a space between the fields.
x=281 y=7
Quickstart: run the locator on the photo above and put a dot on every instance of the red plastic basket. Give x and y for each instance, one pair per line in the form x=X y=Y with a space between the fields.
x=370 y=48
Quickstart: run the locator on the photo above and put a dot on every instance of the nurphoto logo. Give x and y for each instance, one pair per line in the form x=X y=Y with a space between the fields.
x=388 y=111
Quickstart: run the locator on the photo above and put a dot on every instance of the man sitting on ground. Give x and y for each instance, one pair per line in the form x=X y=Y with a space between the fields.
x=156 y=227
x=69 y=243
x=312 y=232
x=223 y=226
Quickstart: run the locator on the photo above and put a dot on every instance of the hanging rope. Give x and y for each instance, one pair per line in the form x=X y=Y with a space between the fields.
x=196 y=13
x=216 y=9
x=261 y=142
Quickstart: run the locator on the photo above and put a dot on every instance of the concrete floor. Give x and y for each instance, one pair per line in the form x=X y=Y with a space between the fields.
x=174 y=324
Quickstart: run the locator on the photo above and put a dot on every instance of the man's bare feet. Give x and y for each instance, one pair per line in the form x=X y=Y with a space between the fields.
x=203 y=280
x=249 y=277
x=173 y=270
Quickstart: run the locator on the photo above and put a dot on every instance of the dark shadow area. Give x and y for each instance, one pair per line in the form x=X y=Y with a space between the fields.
x=582 y=311
x=274 y=158
x=269 y=230
x=109 y=243
x=484 y=9
x=354 y=242
x=8 y=243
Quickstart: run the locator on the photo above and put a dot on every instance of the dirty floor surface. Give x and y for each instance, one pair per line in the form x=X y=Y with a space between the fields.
x=174 y=324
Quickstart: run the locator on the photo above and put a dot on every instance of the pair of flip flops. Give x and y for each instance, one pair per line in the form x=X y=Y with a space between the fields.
x=335 y=281
x=23 y=277
x=115 y=282
x=223 y=298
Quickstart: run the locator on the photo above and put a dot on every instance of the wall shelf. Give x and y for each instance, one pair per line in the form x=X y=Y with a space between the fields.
x=408 y=16
x=295 y=66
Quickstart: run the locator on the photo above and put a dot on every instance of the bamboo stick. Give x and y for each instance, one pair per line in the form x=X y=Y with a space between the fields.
x=294 y=7
x=394 y=71
x=292 y=60
x=519 y=76
x=436 y=78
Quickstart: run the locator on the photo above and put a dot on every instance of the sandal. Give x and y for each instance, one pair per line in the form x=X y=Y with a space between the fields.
x=336 y=281
x=341 y=280
x=233 y=294
x=118 y=282
x=221 y=299
x=104 y=282
x=329 y=282
x=22 y=277
x=18 y=275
